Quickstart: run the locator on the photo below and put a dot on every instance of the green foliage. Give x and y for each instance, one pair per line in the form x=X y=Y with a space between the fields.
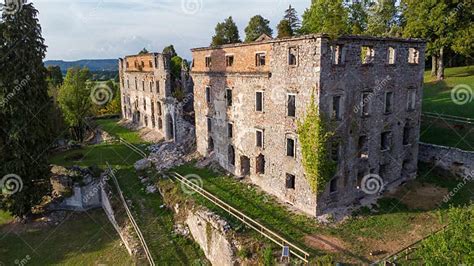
x=314 y=135
x=176 y=63
x=284 y=29
x=358 y=16
x=54 y=76
x=25 y=110
x=326 y=16
x=143 y=51
x=382 y=18
x=256 y=27
x=292 y=17
x=75 y=99
x=267 y=255
x=170 y=50
x=114 y=105
x=454 y=245
x=226 y=33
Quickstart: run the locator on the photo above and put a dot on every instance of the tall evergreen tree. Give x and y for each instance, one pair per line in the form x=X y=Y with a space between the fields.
x=326 y=16
x=25 y=133
x=358 y=16
x=170 y=50
x=284 y=29
x=257 y=26
x=292 y=17
x=54 y=75
x=226 y=32
x=382 y=18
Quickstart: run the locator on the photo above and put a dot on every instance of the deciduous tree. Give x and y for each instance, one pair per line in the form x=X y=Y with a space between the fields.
x=382 y=18
x=257 y=26
x=326 y=16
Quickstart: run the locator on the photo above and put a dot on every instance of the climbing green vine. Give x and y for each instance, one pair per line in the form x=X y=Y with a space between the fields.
x=314 y=135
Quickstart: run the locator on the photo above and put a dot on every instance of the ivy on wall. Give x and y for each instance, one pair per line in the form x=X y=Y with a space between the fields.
x=314 y=135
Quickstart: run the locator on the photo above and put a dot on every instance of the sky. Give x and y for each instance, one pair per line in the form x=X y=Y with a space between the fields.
x=105 y=29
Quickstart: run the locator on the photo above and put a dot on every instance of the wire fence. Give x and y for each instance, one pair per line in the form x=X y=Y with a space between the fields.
x=449 y=118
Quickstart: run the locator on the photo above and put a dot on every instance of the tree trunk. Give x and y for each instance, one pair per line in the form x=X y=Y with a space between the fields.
x=434 y=65
x=440 y=75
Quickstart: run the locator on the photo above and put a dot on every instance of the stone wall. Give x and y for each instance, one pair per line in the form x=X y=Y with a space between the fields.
x=457 y=161
x=312 y=71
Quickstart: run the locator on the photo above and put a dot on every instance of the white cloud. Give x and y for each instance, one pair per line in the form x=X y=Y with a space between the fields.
x=88 y=29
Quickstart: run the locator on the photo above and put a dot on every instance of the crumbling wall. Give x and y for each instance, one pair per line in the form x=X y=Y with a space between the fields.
x=457 y=161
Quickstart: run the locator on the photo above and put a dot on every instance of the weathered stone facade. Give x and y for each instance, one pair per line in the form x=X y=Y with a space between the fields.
x=146 y=87
x=249 y=97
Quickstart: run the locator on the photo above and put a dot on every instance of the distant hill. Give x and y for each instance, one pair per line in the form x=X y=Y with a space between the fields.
x=94 y=65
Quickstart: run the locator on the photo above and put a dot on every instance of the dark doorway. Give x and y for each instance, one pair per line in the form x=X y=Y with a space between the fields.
x=244 y=165
x=260 y=164
x=169 y=127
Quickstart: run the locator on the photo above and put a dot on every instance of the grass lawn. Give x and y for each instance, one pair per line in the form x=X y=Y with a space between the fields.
x=110 y=125
x=391 y=228
x=156 y=223
x=437 y=99
x=82 y=239
x=5 y=217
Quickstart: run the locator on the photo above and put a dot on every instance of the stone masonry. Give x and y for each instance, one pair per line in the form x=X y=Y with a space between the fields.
x=249 y=97
x=145 y=84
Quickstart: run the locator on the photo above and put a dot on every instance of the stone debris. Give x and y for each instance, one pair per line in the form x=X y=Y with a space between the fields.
x=151 y=189
x=182 y=230
x=142 y=165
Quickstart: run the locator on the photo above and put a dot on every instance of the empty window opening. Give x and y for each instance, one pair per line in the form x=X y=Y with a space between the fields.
x=143 y=64
x=127 y=64
x=260 y=165
x=337 y=54
x=333 y=185
x=259 y=101
x=244 y=165
x=229 y=60
x=146 y=120
x=363 y=147
x=209 y=124
x=156 y=62
x=335 y=147
x=231 y=155
x=157 y=86
x=293 y=56
x=411 y=101
x=367 y=54
x=210 y=144
x=128 y=84
x=259 y=138
x=150 y=64
x=143 y=85
x=151 y=86
x=158 y=107
x=290 y=181
x=230 y=130
x=386 y=141
x=391 y=56
x=336 y=108
x=406 y=135
x=160 y=123
x=136 y=84
x=260 y=59
x=208 y=61
x=388 y=102
x=413 y=56
x=291 y=105
x=290 y=147
x=144 y=104
x=365 y=103
x=228 y=96
x=208 y=94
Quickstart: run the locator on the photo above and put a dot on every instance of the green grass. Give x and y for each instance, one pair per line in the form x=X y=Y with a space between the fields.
x=5 y=217
x=156 y=223
x=437 y=99
x=82 y=239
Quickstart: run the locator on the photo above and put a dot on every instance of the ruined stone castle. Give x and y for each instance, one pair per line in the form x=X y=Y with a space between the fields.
x=249 y=97
x=145 y=83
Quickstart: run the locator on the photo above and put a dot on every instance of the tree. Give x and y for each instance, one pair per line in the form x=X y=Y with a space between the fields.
x=55 y=76
x=444 y=25
x=25 y=110
x=382 y=18
x=170 y=50
x=75 y=99
x=226 y=33
x=284 y=29
x=358 y=16
x=292 y=17
x=257 y=26
x=326 y=16
x=143 y=51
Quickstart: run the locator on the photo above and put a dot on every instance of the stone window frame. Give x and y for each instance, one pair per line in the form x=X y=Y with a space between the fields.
x=389 y=56
x=227 y=57
x=386 y=140
x=290 y=136
x=230 y=129
x=209 y=124
x=208 y=61
x=258 y=59
x=263 y=101
x=337 y=116
x=288 y=94
x=229 y=100
x=208 y=94
x=143 y=84
x=341 y=54
x=128 y=84
x=413 y=56
x=412 y=96
x=151 y=85
x=296 y=56
x=262 y=132
x=290 y=181
x=390 y=111
x=157 y=86
x=369 y=58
